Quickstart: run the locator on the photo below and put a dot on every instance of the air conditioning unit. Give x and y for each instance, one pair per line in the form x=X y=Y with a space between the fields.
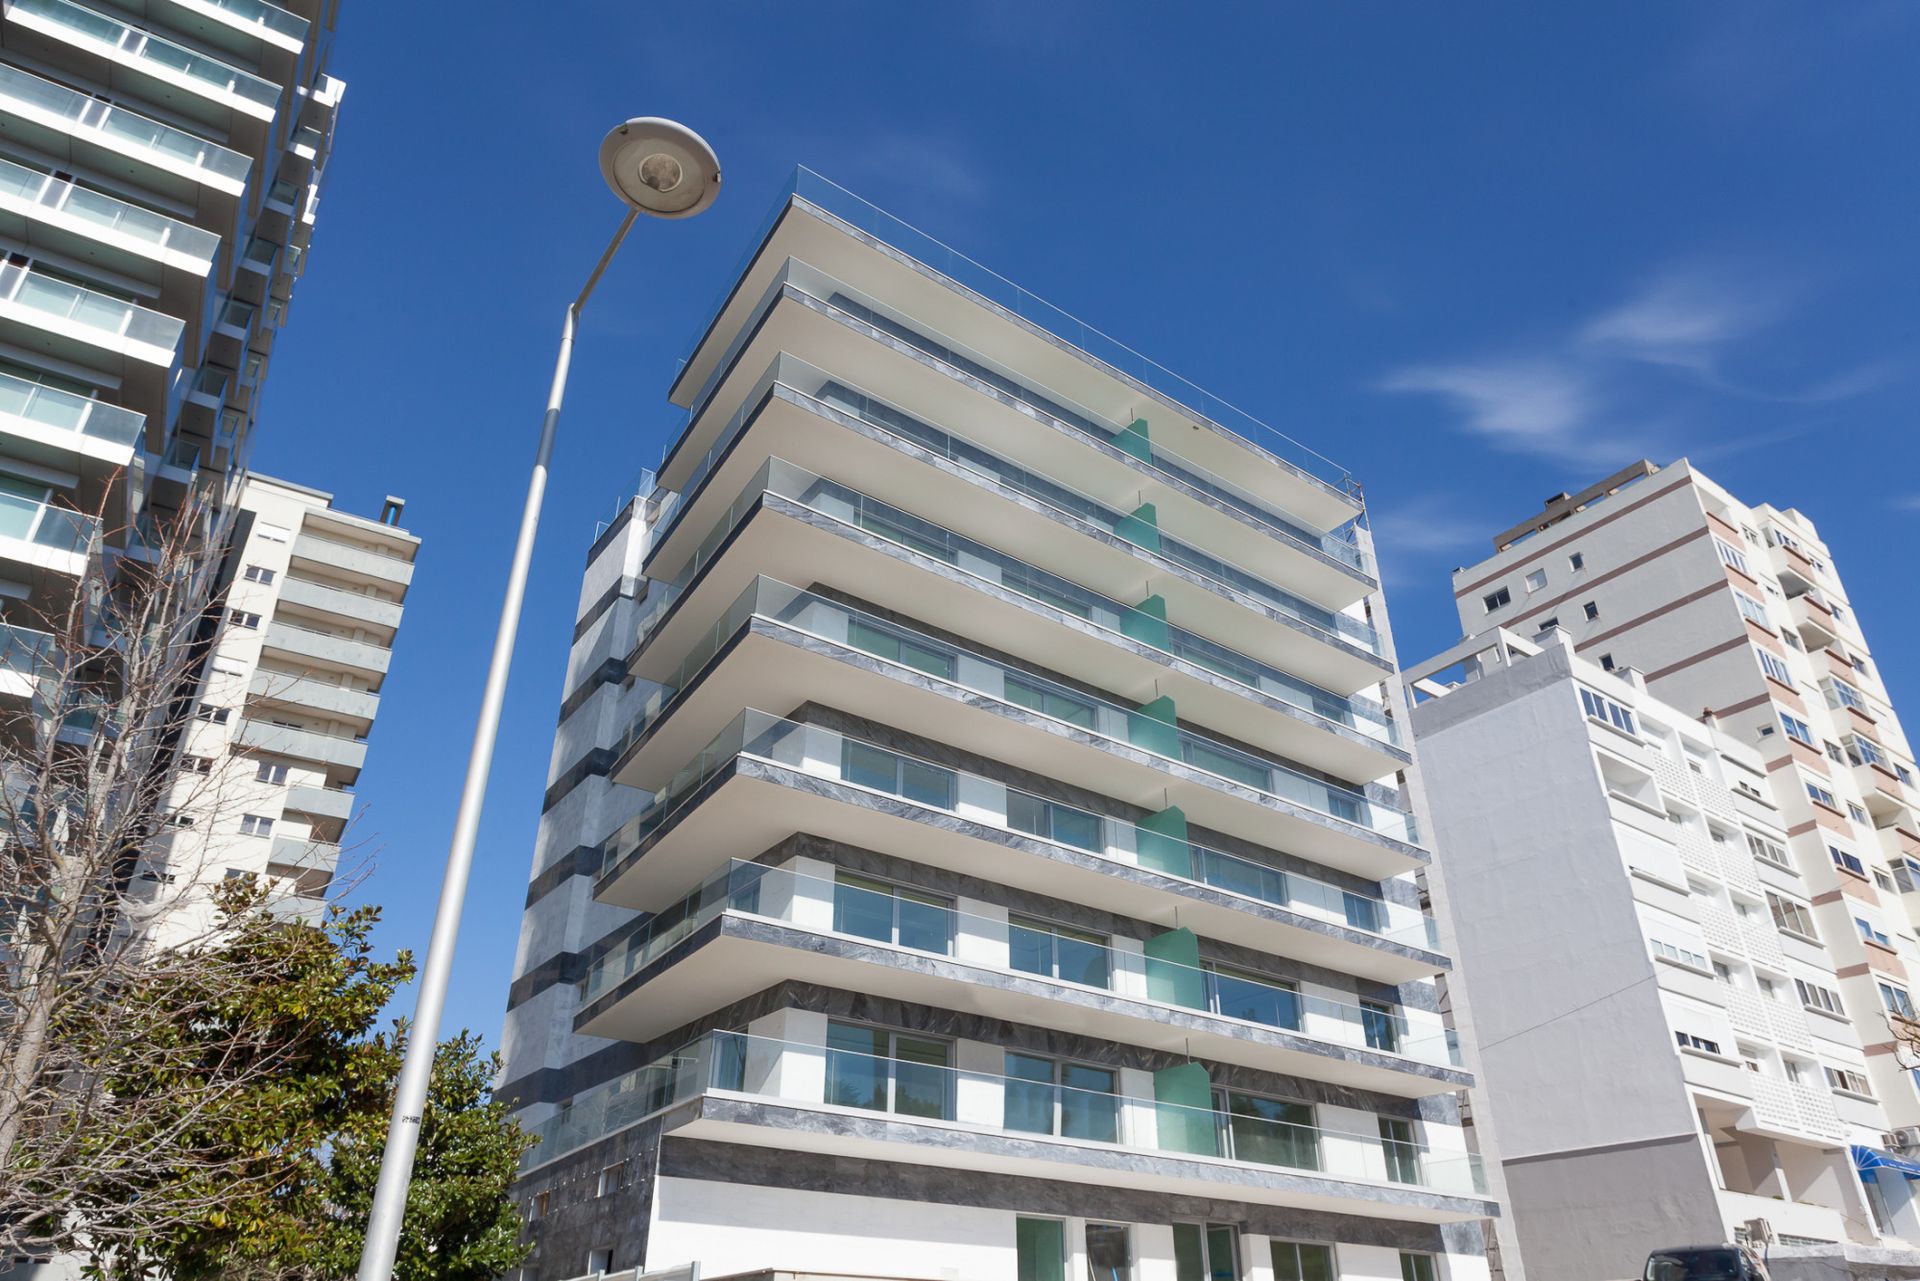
x=1759 y=1232
x=1904 y=1139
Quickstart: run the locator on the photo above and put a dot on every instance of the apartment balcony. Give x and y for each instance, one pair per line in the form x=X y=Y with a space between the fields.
x=1791 y=1111
x=292 y=642
x=314 y=694
x=791 y=1096
x=779 y=647
x=316 y=802
x=62 y=429
x=69 y=125
x=336 y=751
x=315 y=860
x=43 y=546
x=26 y=657
x=251 y=31
x=48 y=214
x=1813 y=619
x=350 y=558
x=1120 y=459
x=67 y=322
x=969 y=306
x=752 y=927
x=1120 y=547
x=766 y=778
x=350 y=606
x=793 y=524
x=142 y=64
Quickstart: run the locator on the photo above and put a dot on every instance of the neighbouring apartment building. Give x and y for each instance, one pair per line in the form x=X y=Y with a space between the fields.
x=979 y=839
x=313 y=597
x=1732 y=617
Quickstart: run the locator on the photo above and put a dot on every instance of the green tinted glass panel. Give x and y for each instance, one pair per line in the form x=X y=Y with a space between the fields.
x=1040 y=1249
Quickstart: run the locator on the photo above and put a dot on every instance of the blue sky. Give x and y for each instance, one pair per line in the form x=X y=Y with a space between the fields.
x=1476 y=253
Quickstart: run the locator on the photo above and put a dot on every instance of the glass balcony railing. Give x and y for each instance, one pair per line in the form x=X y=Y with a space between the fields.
x=106 y=315
x=20 y=90
x=66 y=411
x=916 y=1084
x=840 y=203
x=37 y=521
x=841 y=759
x=25 y=651
x=665 y=507
x=106 y=212
x=980 y=677
x=922 y=924
x=1339 y=544
x=850 y=507
x=97 y=29
x=266 y=16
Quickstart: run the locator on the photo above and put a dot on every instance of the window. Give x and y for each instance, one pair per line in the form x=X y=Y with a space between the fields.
x=1859 y=664
x=1576 y=562
x=268 y=772
x=1268 y=1131
x=902 y=647
x=1732 y=557
x=1815 y=997
x=1791 y=641
x=1791 y=916
x=257 y=574
x=1055 y=822
x=537 y=1207
x=1858 y=815
x=1688 y=1041
x=899 y=1072
x=195 y=765
x=612 y=1179
x=893 y=914
x=1774 y=666
x=1834 y=753
x=1073 y=1100
x=1871 y=933
x=1606 y=662
x=1039 y=1250
x=1547 y=624
x=1896 y=1001
x=1678 y=955
x=1821 y=796
x=1848 y=1081
x=1381 y=1025
x=1109 y=1252
x=213 y=715
x=1236 y=995
x=1402 y=1152
x=1418 y=1267
x=1846 y=695
x=1768 y=851
x=1056 y=951
x=1049 y=700
x=255 y=825
x=1866 y=752
x=1752 y=610
x=1601 y=708
x=1847 y=862
x=1205 y=1252
x=1497 y=600
x=1591 y=609
x=272 y=533
x=1906 y=874
x=1797 y=730
x=241 y=618
x=1536 y=580
x=1884 y=881
x=178 y=819
x=599 y=1261
x=873 y=767
x=1296 y=1261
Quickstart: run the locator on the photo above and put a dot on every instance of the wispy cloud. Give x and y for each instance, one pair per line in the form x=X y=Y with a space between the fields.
x=1906 y=503
x=1412 y=533
x=1641 y=376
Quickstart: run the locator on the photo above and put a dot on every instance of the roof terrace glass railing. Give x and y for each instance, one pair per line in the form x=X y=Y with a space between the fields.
x=260 y=14
x=103 y=313
x=106 y=212
x=161 y=54
x=848 y=761
x=920 y=923
x=1339 y=545
x=831 y=198
x=67 y=411
x=980 y=677
x=19 y=89
x=1241 y=1128
x=977 y=560
x=665 y=507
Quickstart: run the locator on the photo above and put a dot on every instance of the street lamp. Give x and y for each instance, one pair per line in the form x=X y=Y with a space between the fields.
x=665 y=170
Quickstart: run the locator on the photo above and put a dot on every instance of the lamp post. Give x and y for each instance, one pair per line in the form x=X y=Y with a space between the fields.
x=665 y=170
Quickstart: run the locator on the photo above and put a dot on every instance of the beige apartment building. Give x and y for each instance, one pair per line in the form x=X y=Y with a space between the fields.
x=1736 y=616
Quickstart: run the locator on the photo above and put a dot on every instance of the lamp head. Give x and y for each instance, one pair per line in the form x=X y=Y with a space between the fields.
x=660 y=167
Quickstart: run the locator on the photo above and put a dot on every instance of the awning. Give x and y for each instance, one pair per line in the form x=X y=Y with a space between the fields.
x=1870 y=1160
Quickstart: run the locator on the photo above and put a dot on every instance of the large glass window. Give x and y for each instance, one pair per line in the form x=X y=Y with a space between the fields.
x=1419 y=1267
x=1062 y=823
x=1205 y=1252
x=1073 y=1100
x=902 y=647
x=1402 y=1151
x=1268 y=1131
x=1109 y=1252
x=1059 y=952
x=20 y=504
x=1040 y=1250
x=1049 y=700
x=892 y=914
x=1381 y=1025
x=1296 y=1261
x=867 y=766
x=885 y=1071
x=1244 y=996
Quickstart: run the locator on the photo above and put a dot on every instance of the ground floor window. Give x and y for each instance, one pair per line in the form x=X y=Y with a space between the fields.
x=1295 y=1261
x=1205 y=1252
x=1418 y=1267
x=1040 y=1248
x=1109 y=1252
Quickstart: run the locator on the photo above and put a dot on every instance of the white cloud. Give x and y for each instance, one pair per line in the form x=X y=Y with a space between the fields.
x=1526 y=405
x=1683 y=318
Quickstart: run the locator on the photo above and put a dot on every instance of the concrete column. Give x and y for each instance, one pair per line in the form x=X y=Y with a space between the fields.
x=787 y=1059
x=1137 y=1120
x=982 y=800
x=980 y=936
x=1331 y=1016
x=1129 y=967
x=979 y=1093
x=800 y=892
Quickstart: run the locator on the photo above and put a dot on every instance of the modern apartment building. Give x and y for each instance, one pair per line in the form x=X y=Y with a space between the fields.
x=1736 y=613
x=979 y=841
x=313 y=597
